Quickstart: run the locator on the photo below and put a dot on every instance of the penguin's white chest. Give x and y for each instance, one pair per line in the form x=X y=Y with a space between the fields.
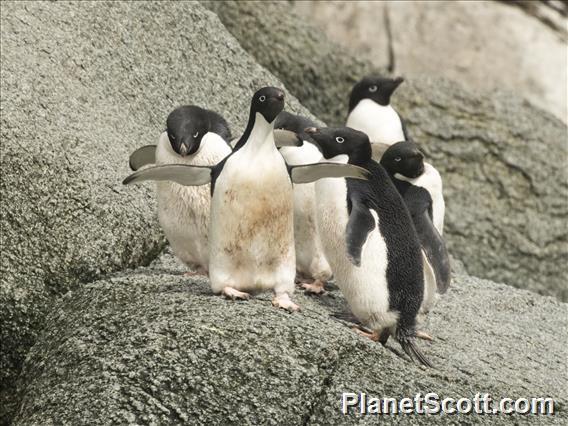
x=381 y=123
x=183 y=211
x=252 y=233
x=365 y=288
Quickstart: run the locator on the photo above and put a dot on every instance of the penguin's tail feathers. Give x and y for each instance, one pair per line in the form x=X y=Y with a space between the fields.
x=407 y=341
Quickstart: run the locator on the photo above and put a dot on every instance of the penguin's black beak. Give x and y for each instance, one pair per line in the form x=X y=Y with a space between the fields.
x=311 y=132
x=280 y=96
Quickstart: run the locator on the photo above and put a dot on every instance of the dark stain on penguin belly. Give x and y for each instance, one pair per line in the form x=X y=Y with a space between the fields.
x=263 y=226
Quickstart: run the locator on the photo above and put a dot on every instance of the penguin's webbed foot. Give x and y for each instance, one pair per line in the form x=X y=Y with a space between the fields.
x=373 y=335
x=283 y=301
x=316 y=287
x=234 y=294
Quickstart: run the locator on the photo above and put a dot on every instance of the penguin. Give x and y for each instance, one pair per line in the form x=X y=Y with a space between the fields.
x=420 y=185
x=370 y=242
x=370 y=112
x=194 y=136
x=312 y=268
x=251 y=230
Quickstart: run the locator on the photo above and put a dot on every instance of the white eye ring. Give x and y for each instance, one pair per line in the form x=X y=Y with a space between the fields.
x=339 y=139
x=397 y=159
x=196 y=134
x=373 y=88
x=262 y=98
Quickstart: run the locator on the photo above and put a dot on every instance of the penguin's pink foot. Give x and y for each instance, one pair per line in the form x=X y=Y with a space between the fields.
x=374 y=336
x=283 y=301
x=424 y=336
x=316 y=287
x=198 y=271
x=234 y=294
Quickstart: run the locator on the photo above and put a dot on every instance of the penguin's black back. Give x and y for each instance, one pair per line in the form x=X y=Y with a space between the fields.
x=405 y=279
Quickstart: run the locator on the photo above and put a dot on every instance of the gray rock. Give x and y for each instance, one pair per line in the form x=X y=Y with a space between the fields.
x=503 y=161
x=484 y=45
x=154 y=347
x=83 y=85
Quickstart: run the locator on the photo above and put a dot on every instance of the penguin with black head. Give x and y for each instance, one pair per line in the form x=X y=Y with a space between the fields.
x=312 y=268
x=370 y=242
x=194 y=136
x=251 y=231
x=420 y=185
x=371 y=112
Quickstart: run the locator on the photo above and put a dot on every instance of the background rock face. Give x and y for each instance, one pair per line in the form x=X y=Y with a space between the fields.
x=483 y=45
x=83 y=85
x=155 y=347
x=503 y=162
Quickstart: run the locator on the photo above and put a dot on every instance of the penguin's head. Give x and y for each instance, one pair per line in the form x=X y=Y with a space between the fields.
x=293 y=123
x=186 y=127
x=337 y=141
x=378 y=89
x=404 y=158
x=268 y=101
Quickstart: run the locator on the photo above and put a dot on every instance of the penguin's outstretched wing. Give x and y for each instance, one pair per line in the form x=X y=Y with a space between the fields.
x=179 y=173
x=142 y=157
x=419 y=204
x=311 y=172
x=284 y=137
x=361 y=223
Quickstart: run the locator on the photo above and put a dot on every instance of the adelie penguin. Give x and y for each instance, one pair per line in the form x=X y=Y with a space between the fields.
x=370 y=112
x=313 y=270
x=420 y=185
x=368 y=239
x=194 y=136
x=251 y=231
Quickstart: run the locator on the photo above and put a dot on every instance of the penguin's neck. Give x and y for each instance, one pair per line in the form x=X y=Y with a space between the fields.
x=261 y=137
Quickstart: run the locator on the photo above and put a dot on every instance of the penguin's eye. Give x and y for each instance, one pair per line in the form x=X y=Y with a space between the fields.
x=373 y=88
x=397 y=159
x=196 y=134
x=339 y=139
x=262 y=98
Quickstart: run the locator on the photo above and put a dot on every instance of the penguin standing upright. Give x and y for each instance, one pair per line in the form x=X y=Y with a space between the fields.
x=251 y=231
x=369 y=240
x=370 y=112
x=420 y=185
x=311 y=263
x=194 y=136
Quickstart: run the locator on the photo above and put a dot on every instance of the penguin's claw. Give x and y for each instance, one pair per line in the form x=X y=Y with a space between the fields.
x=197 y=272
x=283 y=301
x=234 y=294
x=316 y=287
x=424 y=336
x=374 y=336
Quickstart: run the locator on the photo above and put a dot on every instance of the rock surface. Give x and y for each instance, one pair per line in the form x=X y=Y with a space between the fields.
x=484 y=45
x=83 y=85
x=503 y=161
x=154 y=347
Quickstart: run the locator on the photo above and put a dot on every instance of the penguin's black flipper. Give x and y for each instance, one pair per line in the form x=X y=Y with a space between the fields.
x=311 y=172
x=434 y=248
x=179 y=173
x=142 y=157
x=419 y=204
x=286 y=138
x=361 y=223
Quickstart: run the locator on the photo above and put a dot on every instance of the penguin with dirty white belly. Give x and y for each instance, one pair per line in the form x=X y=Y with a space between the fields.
x=420 y=185
x=194 y=136
x=370 y=242
x=251 y=231
x=312 y=268
x=370 y=112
